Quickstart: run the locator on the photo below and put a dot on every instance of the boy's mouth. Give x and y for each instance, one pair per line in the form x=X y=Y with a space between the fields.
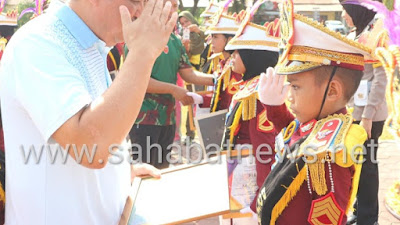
x=293 y=110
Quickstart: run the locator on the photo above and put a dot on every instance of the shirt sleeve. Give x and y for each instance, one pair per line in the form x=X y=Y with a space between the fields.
x=48 y=86
x=184 y=62
x=262 y=137
x=280 y=116
x=377 y=93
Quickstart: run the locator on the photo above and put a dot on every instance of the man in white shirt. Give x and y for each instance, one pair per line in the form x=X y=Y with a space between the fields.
x=56 y=91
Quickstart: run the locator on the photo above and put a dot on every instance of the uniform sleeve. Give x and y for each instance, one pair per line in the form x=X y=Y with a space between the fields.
x=342 y=180
x=184 y=62
x=262 y=137
x=48 y=87
x=280 y=116
x=376 y=94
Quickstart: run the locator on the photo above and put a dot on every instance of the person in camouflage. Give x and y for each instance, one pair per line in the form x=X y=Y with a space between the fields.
x=155 y=123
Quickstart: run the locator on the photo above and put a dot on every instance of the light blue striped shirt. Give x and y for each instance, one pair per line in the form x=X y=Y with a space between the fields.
x=52 y=68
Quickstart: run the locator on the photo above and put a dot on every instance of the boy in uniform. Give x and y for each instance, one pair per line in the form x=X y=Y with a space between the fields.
x=316 y=177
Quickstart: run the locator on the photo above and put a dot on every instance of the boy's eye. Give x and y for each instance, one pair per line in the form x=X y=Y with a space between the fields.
x=295 y=87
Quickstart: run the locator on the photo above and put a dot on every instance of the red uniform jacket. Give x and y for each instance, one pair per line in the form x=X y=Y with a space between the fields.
x=256 y=129
x=224 y=89
x=298 y=209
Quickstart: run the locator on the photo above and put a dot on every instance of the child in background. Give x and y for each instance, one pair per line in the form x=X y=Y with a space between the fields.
x=247 y=127
x=195 y=43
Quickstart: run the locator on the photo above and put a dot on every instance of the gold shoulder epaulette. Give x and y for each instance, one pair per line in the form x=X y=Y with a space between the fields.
x=334 y=139
x=248 y=96
x=248 y=89
x=226 y=78
x=334 y=134
x=215 y=58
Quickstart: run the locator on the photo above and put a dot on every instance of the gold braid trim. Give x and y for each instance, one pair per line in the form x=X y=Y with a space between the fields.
x=249 y=107
x=122 y=60
x=339 y=139
x=226 y=75
x=235 y=122
x=248 y=96
x=216 y=98
x=355 y=136
x=289 y=132
x=210 y=69
x=308 y=54
x=215 y=58
x=8 y=22
x=317 y=174
x=376 y=65
x=396 y=52
x=3 y=43
x=113 y=60
x=254 y=42
x=245 y=109
x=285 y=68
x=2 y=195
x=223 y=29
x=317 y=168
x=337 y=35
x=291 y=191
x=387 y=59
x=215 y=63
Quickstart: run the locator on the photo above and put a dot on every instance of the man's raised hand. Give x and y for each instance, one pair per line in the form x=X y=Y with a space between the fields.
x=150 y=33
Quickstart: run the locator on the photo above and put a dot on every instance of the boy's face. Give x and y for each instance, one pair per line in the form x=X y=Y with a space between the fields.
x=237 y=63
x=218 y=43
x=305 y=96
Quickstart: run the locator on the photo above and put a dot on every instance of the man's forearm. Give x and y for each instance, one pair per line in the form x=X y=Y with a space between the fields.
x=159 y=87
x=204 y=79
x=108 y=119
x=195 y=77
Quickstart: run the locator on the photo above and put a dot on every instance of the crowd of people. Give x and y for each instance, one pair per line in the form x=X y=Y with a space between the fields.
x=306 y=103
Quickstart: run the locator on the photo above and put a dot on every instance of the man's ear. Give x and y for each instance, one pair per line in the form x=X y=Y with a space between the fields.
x=335 y=92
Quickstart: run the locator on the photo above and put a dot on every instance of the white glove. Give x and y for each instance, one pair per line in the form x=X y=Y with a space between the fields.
x=272 y=89
x=198 y=99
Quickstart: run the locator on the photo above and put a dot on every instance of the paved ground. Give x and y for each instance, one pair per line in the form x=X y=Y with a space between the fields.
x=389 y=171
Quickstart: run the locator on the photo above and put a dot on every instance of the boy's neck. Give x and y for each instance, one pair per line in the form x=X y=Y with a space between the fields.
x=337 y=110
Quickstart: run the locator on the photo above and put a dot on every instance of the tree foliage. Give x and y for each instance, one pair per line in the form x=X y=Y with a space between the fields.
x=25 y=18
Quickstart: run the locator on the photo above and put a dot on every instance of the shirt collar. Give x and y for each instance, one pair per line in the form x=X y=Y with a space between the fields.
x=306 y=128
x=77 y=27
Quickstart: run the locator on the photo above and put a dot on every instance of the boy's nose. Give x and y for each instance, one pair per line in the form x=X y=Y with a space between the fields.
x=290 y=97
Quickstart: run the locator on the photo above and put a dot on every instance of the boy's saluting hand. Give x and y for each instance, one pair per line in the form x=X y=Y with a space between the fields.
x=272 y=89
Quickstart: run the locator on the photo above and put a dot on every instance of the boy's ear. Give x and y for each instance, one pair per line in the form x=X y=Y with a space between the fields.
x=335 y=91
